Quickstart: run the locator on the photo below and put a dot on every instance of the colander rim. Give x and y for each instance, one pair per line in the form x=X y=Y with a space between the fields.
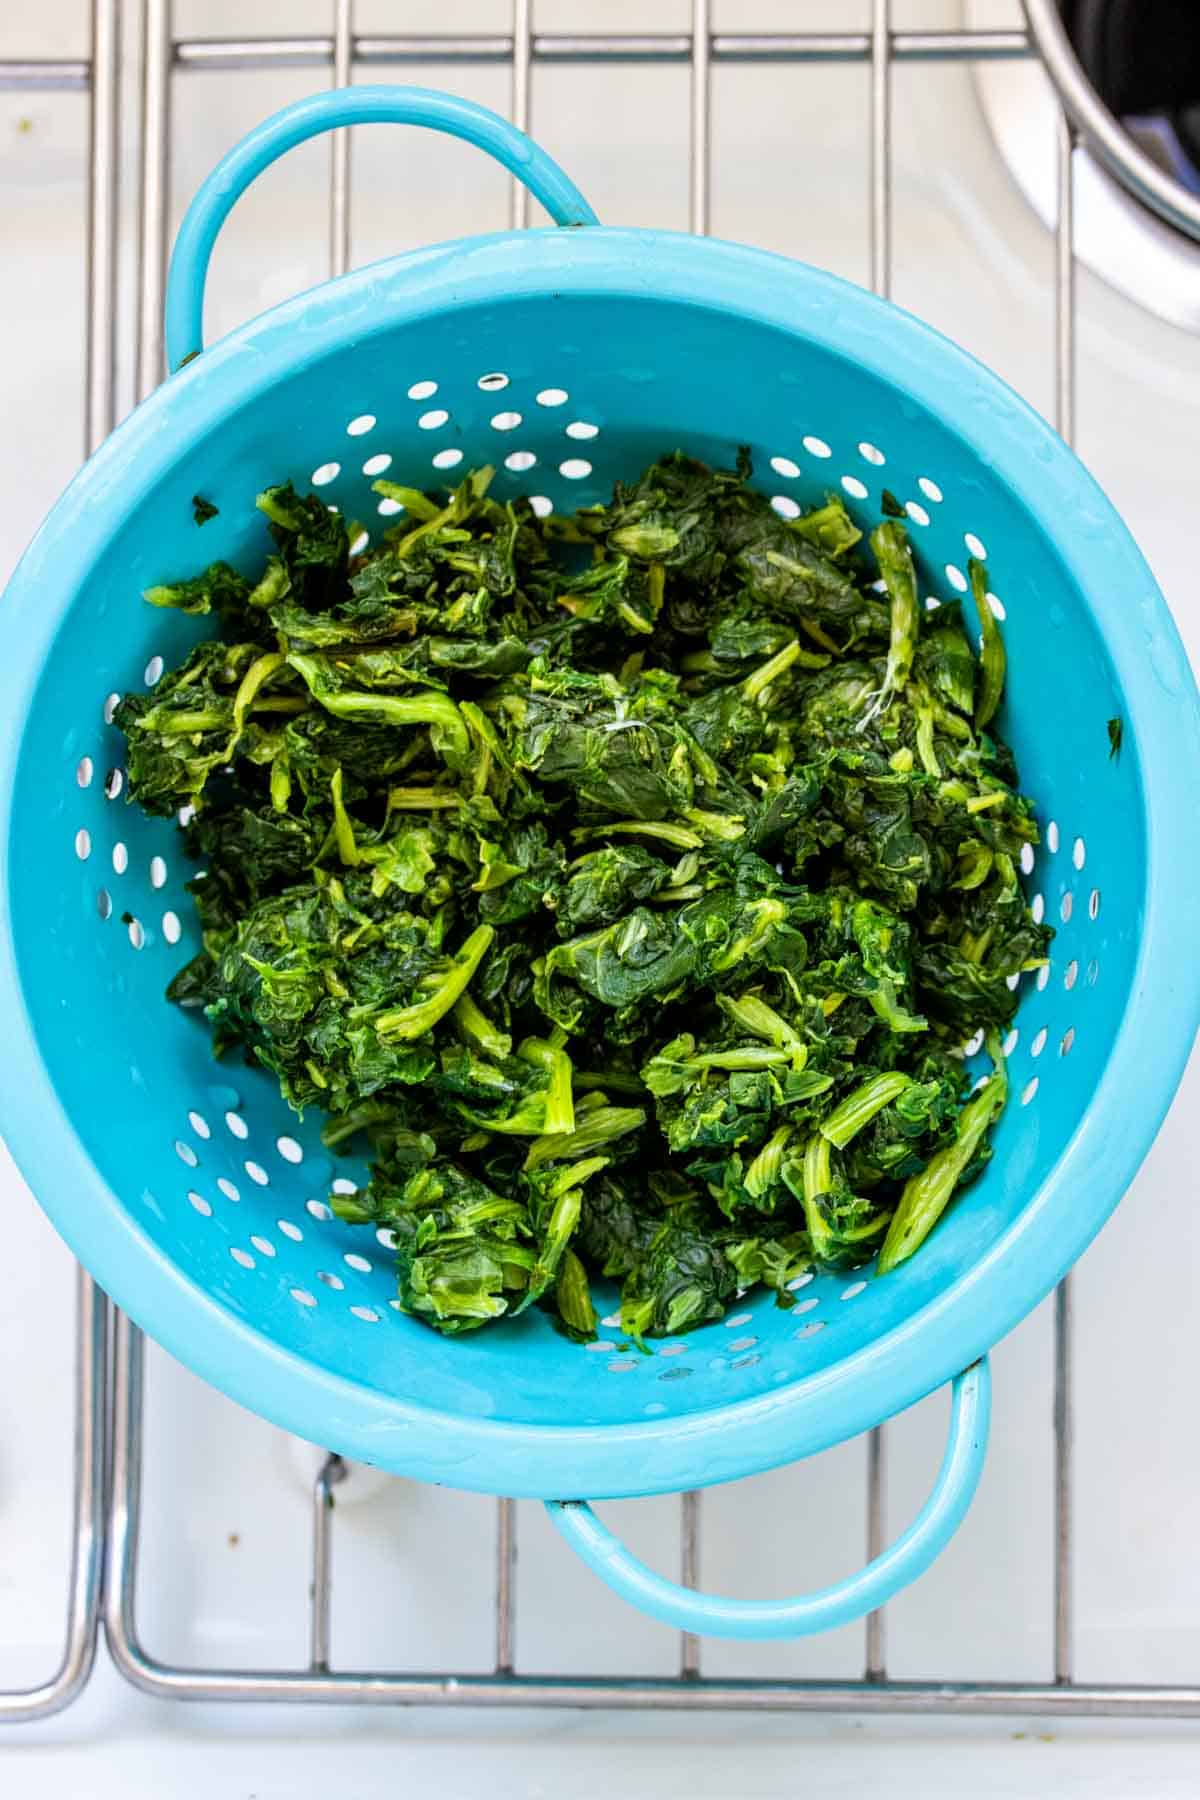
x=1153 y=1039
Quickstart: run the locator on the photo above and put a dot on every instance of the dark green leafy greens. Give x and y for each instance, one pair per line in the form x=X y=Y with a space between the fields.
x=632 y=882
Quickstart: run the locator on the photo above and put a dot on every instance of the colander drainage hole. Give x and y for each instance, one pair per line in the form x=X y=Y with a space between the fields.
x=84 y=770
x=199 y=1125
x=237 y=1125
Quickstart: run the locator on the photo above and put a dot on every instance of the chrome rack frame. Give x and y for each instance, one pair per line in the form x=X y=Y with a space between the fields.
x=166 y=57
x=98 y=78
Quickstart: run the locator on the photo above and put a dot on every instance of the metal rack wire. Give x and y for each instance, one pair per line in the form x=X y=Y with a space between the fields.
x=166 y=57
x=98 y=78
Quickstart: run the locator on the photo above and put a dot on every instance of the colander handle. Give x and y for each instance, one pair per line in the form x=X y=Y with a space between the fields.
x=801 y=1616
x=329 y=111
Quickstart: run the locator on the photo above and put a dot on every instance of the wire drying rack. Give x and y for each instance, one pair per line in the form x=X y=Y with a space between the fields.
x=108 y=1413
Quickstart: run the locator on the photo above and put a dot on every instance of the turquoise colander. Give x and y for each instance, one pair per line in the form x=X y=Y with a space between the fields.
x=570 y=357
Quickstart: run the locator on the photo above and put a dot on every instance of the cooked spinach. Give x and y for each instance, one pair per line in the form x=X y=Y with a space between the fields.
x=631 y=883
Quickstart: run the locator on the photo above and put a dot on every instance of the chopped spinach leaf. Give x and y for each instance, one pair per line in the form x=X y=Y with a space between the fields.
x=629 y=884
